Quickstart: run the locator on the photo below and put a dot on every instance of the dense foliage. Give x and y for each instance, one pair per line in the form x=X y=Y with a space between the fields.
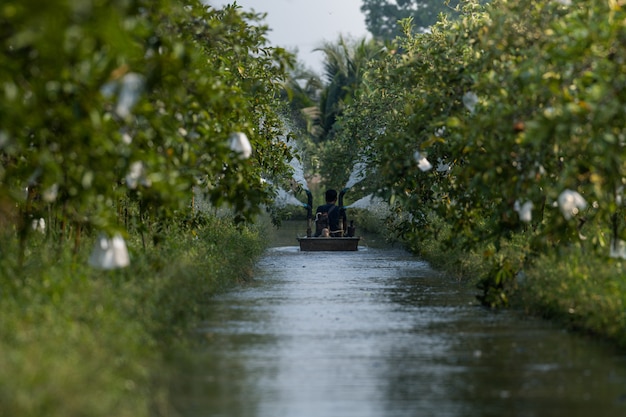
x=104 y=101
x=507 y=121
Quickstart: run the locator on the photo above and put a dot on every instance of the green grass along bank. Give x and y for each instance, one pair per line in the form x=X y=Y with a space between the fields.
x=78 y=341
x=574 y=285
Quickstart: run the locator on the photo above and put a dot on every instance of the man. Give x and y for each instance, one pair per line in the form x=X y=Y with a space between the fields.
x=328 y=217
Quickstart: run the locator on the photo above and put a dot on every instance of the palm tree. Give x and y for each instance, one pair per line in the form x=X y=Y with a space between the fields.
x=302 y=91
x=344 y=66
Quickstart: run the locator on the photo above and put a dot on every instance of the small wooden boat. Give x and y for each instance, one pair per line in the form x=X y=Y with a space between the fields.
x=318 y=244
x=312 y=244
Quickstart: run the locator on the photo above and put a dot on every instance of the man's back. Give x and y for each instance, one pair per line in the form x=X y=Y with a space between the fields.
x=332 y=212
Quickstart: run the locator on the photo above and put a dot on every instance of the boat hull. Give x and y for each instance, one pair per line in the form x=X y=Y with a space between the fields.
x=316 y=244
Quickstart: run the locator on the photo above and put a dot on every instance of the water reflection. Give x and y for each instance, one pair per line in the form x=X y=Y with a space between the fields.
x=378 y=333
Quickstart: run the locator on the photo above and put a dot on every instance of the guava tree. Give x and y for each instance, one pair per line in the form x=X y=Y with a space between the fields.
x=105 y=98
x=511 y=125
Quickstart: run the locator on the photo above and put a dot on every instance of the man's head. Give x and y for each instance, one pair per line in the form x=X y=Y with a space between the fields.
x=331 y=196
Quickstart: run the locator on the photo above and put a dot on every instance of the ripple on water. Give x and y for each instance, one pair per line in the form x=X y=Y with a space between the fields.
x=379 y=333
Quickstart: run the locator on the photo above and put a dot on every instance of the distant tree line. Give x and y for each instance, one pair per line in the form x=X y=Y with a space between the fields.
x=382 y=16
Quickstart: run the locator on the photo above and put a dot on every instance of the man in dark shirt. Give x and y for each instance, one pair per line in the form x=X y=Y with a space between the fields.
x=334 y=215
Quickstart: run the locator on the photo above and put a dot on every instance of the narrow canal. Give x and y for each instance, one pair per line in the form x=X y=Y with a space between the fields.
x=378 y=333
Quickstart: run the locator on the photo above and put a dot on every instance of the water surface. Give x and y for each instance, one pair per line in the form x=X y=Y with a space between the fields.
x=379 y=333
